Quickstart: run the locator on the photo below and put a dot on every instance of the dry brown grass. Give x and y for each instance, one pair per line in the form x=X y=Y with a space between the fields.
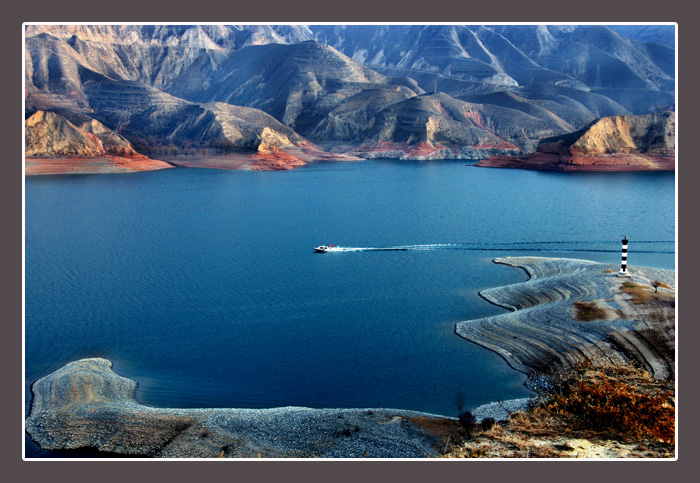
x=448 y=431
x=599 y=411
x=642 y=294
x=587 y=311
x=658 y=306
x=663 y=285
x=616 y=401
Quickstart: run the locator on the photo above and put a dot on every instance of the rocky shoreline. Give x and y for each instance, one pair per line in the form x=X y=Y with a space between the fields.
x=553 y=162
x=616 y=143
x=571 y=311
x=34 y=166
x=276 y=160
x=85 y=404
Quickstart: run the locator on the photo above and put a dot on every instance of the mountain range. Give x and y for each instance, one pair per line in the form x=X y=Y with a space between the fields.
x=188 y=93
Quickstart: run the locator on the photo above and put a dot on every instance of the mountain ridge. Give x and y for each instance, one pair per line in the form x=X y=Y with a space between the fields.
x=54 y=145
x=357 y=90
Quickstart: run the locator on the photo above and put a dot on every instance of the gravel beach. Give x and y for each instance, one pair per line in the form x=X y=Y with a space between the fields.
x=86 y=404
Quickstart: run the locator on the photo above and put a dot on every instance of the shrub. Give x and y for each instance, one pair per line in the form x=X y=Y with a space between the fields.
x=468 y=422
x=487 y=423
x=609 y=404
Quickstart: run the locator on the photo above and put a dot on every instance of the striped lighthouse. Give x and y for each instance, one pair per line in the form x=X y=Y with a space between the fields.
x=623 y=267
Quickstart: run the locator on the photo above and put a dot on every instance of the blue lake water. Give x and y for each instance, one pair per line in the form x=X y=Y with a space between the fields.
x=202 y=285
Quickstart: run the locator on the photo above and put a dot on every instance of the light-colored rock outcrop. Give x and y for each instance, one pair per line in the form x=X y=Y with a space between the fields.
x=616 y=143
x=570 y=311
x=49 y=134
x=86 y=404
x=54 y=145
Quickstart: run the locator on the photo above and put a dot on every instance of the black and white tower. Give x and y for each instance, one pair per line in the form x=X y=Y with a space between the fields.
x=623 y=267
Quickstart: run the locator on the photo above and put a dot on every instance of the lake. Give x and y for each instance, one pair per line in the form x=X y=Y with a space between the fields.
x=202 y=285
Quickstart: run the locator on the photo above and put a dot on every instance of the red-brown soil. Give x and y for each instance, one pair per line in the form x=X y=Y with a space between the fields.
x=557 y=162
x=90 y=164
x=616 y=143
x=269 y=160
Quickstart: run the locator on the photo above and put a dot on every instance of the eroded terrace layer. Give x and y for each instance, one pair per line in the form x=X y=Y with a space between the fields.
x=571 y=311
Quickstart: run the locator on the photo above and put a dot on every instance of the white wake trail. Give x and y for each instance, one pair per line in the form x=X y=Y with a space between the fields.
x=434 y=246
x=527 y=246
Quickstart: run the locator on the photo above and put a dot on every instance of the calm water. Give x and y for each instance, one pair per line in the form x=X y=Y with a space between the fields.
x=202 y=285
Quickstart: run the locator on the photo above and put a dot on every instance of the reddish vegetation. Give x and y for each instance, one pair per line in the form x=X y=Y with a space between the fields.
x=622 y=402
x=97 y=164
x=599 y=411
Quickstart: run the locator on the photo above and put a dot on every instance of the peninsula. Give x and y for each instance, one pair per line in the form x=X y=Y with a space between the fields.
x=571 y=311
x=86 y=404
x=617 y=143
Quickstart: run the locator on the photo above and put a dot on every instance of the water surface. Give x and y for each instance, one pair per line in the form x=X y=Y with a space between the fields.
x=202 y=285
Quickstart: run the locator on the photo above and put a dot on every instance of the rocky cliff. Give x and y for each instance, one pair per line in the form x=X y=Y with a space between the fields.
x=436 y=126
x=618 y=143
x=462 y=59
x=53 y=145
x=48 y=134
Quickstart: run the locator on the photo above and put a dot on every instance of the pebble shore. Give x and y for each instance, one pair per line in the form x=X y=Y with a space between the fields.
x=86 y=404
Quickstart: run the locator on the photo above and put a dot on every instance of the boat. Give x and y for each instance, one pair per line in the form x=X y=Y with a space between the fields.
x=323 y=249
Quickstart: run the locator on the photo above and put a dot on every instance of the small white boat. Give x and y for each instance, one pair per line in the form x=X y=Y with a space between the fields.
x=323 y=249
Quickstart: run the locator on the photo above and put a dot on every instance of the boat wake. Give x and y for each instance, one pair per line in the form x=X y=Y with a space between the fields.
x=644 y=246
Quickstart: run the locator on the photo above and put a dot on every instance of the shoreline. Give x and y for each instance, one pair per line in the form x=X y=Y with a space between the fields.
x=601 y=163
x=35 y=166
x=86 y=404
x=275 y=160
x=282 y=161
x=570 y=311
